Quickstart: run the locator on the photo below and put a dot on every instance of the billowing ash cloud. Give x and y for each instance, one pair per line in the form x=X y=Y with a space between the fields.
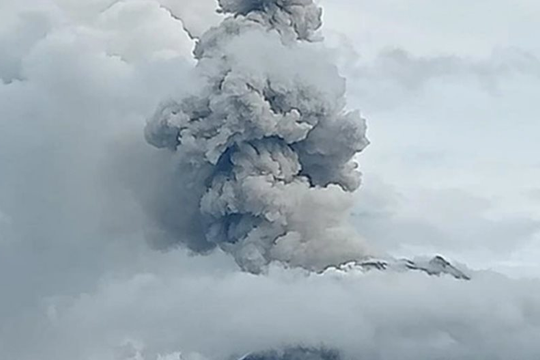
x=264 y=152
x=295 y=18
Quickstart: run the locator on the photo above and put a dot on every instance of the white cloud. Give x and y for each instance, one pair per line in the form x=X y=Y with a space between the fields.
x=443 y=220
x=448 y=132
x=197 y=16
x=430 y=28
x=377 y=315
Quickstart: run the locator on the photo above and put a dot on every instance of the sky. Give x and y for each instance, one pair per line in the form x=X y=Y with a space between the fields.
x=448 y=91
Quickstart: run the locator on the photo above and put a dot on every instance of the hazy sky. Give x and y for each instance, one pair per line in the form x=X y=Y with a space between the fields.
x=449 y=91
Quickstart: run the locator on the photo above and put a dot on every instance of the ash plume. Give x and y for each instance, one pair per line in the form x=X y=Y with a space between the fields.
x=263 y=151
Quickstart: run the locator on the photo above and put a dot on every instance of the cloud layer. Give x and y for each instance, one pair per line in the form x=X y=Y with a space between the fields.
x=374 y=315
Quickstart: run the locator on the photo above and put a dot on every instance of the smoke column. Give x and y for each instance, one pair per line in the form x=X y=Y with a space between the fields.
x=263 y=150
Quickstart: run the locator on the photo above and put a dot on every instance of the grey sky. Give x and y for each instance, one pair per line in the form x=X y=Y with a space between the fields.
x=449 y=90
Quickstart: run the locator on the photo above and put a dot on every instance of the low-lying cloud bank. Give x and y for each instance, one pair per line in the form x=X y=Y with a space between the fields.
x=224 y=314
